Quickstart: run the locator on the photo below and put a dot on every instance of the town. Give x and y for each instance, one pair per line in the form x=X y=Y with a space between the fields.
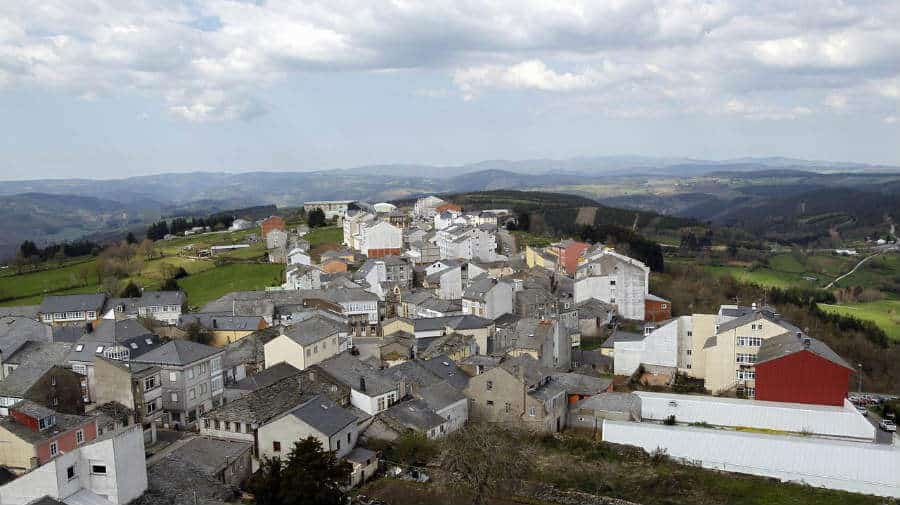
x=427 y=323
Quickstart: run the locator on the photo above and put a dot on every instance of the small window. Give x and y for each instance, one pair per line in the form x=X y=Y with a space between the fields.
x=490 y=385
x=174 y=397
x=531 y=411
x=79 y=347
x=338 y=445
x=247 y=428
x=99 y=349
x=79 y=437
x=148 y=341
x=98 y=469
x=276 y=446
x=173 y=376
x=134 y=346
x=490 y=403
x=54 y=449
x=70 y=472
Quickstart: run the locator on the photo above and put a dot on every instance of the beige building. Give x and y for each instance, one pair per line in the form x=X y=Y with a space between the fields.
x=306 y=343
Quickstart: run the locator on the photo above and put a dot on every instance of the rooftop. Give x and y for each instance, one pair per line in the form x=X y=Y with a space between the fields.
x=266 y=377
x=354 y=373
x=263 y=404
x=324 y=415
x=63 y=303
x=790 y=343
x=313 y=329
x=179 y=353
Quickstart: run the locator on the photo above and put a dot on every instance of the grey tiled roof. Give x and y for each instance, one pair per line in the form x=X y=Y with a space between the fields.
x=16 y=330
x=576 y=383
x=324 y=415
x=789 y=343
x=464 y=322
x=221 y=321
x=349 y=370
x=622 y=336
x=178 y=353
x=313 y=329
x=612 y=402
x=128 y=333
x=479 y=287
x=445 y=368
x=263 y=404
x=266 y=377
x=63 y=303
x=30 y=311
x=440 y=395
x=147 y=299
x=211 y=455
x=414 y=415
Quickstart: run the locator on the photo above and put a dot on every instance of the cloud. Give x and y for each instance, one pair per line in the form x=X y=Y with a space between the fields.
x=214 y=60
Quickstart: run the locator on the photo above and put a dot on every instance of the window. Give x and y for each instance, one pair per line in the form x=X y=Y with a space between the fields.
x=688 y=352
x=247 y=428
x=746 y=374
x=190 y=373
x=79 y=347
x=381 y=404
x=612 y=300
x=746 y=358
x=98 y=469
x=690 y=333
x=80 y=369
x=612 y=282
x=173 y=376
x=99 y=349
x=308 y=352
x=197 y=370
x=218 y=424
x=70 y=472
x=174 y=397
x=749 y=341
x=151 y=407
x=204 y=388
x=531 y=411
x=204 y=367
x=79 y=437
x=192 y=394
x=134 y=346
x=216 y=364
x=149 y=383
x=507 y=407
x=490 y=403
x=117 y=353
x=751 y=392
x=227 y=426
x=276 y=446
x=54 y=449
x=490 y=385
x=44 y=423
x=348 y=437
x=53 y=380
x=216 y=384
x=338 y=445
x=55 y=401
x=91 y=314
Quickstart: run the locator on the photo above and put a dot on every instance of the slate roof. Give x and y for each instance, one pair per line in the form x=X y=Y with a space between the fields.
x=414 y=415
x=789 y=343
x=221 y=321
x=622 y=336
x=439 y=395
x=764 y=313
x=734 y=312
x=525 y=368
x=63 y=303
x=178 y=353
x=129 y=333
x=445 y=368
x=594 y=308
x=412 y=372
x=324 y=415
x=64 y=422
x=33 y=410
x=580 y=384
x=479 y=287
x=16 y=330
x=612 y=402
x=30 y=311
x=266 y=377
x=441 y=305
x=361 y=455
x=348 y=370
x=36 y=359
x=654 y=298
x=463 y=322
x=313 y=329
x=147 y=299
x=548 y=391
x=263 y=404
x=212 y=455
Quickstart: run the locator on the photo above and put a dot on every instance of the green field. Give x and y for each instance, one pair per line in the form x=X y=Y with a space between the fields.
x=884 y=313
x=762 y=276
x=79 y=276
x=214 y=283
x=326 y=235
x=786 y=270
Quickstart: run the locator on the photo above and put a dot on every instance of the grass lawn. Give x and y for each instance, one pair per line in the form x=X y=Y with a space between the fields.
x=204 y=241
x=326 y=235
x=14 y=288
x=884 y=313
x=762 y=276
x=214 y=283
x=879 y=272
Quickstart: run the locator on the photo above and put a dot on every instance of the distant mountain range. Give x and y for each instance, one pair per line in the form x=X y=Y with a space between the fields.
x=64 y=209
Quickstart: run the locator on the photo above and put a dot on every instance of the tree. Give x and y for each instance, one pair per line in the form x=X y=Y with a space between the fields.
x=195 y=332
x=309 y=476
x=28 y=249
x=131 y=290
x=316 y=218
x=481 y=457
x=130 y=238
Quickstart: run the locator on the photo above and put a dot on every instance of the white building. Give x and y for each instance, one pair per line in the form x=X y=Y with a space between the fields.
x=240 y=224
x=378 y=239
x=467 y=242
x=488 y=297
x=384 y=207
x=302 y=277
x=426 y=207
x=334 y=426
x=331 y=208
x=370 y=390
x=657 y=346
x=352 y=225
x=298 y=256
x=445 y=277
x=615 y=279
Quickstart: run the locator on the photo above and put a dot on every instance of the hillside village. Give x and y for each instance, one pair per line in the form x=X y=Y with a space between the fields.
x=427 y=319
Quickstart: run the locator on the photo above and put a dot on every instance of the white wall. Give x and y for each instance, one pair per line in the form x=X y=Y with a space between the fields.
x=660 y=347
x=369 y=404
x=456 y=414
x=860 y=467
x=451 y=284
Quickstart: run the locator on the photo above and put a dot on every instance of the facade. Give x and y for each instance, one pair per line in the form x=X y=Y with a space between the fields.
x=616 y=279
x=488 y=297
x=33 y=435
x=306 y=343
x=331 y=208
x=657 y=309
x=224 y=328
x=467 y=242
x=192 y=379
x=426 y=208
x=657 y=346
x=302 y=277
x=163 y=306
x=71 y=309
x=445 y=278
x=370 y=390
x=270 y=224
x=801 y=369
x=380 y=239
x=334 y=426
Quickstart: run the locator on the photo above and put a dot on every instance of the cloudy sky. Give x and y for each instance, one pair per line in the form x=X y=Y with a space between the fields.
x=106 y=88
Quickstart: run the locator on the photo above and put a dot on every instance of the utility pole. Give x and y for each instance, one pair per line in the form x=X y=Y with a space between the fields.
x=860 y=377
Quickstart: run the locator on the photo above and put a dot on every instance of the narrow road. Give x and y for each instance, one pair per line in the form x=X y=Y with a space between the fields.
x=867 y=258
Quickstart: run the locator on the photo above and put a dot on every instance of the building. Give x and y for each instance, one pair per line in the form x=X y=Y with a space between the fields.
x=299 y=256
x=426 y=208
x=192 y=379
x=163 y=306
x=240 y=224
x=615 y=279
x=223 y=328
x=589 y=413
x=468 y=242
x=657 y=309
x=546 y=341
x=270 y=224
x=137 y=387
x=331 y=208
x=518 y=393
x=34 y=434
x=656 y=345
x=306 y=343
x=43 y=377
x=318 y=417
x=301 y=276
x=801 y=369
x=445 y=278
x=370 y=390
x=71 y=309
x=16 y=331
x=487 y=297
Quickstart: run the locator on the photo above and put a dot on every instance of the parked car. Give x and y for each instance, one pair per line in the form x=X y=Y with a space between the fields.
x=862 y=410
x=888 y=425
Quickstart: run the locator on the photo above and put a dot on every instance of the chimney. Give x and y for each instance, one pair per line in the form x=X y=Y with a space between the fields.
x=362 y=384
x=214 y=324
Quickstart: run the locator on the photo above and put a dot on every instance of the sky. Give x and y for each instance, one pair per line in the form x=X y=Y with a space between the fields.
x=113 y=88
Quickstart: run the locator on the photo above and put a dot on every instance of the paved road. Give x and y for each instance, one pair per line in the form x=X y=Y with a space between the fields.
x=867 y=258
x=881 y=436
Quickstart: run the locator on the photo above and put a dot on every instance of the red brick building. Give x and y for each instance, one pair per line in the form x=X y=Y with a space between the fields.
x=272 y=223
x=570 y=253
x=35 y=434
x=797 y=368
x=657 y=309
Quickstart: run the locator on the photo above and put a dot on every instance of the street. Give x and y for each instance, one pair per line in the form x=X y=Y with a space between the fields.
x=881 y=436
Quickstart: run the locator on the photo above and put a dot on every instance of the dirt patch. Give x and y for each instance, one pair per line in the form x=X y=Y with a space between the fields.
x=586 y=216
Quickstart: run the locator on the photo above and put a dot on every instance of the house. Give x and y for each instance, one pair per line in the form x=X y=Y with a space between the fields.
x=447 y=402
x=390 y=269
x=224 y=328
x=353 y=225
x=445 y=278
x=544 y=340
x=657 y=346
x=384 y=207
x=615 y=279
x=569 y=254
x=519 y=393
x=457 y=346
x=71 y=309
x=370 y=390
x=212 y=469
x=408 y=416
x=301 y=276
x=15 y=331
x=479 y=328
x=593 y=316
x=34 y=434
x=487 y=297
x=589 y=413
x=260 y=379
x=246 y=357
x=379 y=239
x=192 y=381
x=270 y=224
x=535 y=302
x=318 y=417
x=361 y=308
x=107 y=469
x=331 y=208
x=306 y=343
x=41 y=375
x=299 y=256
x=118 y=340
x=468 y=242
x=797 y=368
x=163 y=306
x=426 y=207
x=135 y=386
x=657 y=309
x=580 y=386
x=364 y=465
